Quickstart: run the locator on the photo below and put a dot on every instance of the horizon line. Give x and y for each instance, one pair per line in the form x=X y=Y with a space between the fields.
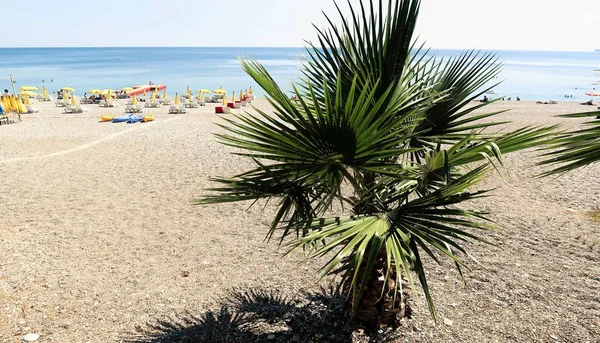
x=264 y=47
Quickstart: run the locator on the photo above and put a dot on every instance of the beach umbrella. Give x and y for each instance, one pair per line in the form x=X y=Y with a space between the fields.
x=219 y=91
x=153 y=97
x=177 y=102
x=13 y=103
x=20 y=107
x=224 y=101
x=95 y=91
x=5 y=103
x=28 y=88
x=26 y=100
x=28 y=93
x=188 y=91
x=8 y=105
x=203 y=91
x=241 y=96
x=134 y=101
x=73 y=100
x=233 y=97
x=68 y=89
x=592 y=93
x=144 y=92
x=246 y=93
x=250 y=91
x=165 y=94
x=127 y=89
x=45 y=92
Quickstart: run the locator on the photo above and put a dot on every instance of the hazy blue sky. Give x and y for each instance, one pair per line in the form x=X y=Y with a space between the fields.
x=508 y=24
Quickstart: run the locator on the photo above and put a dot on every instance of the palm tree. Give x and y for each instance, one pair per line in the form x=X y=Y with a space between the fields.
x=383 y=130
x=574 y=149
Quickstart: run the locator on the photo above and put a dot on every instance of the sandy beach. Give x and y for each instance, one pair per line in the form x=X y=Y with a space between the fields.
x=98 y=238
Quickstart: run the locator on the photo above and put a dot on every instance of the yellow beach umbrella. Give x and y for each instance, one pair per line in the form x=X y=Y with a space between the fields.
x=219 y=91
x=68 y=89
x=73 y=100
x=26 y=100
x=28 y=88
x=5 y=103
x=13 y=103
x=28 y=93
x=250 y=91
x=45 y=92
x=134 y=101
x=20 y=107
x=165 y=94
x=188 y=90
x=241 y=96
x=95 y=91
x=203 y=91
x=233 y=97
x=153 y=97
x=177 y=102
x=127 y=89
x=8 y=106
x=224 y=101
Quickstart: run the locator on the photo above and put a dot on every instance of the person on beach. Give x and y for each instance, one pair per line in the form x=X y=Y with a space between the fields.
x=6 y=92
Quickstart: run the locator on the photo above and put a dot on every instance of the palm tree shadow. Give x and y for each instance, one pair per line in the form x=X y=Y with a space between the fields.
x=257 y=316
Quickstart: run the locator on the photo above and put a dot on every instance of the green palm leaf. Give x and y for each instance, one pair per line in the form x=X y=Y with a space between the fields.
x=574 y=149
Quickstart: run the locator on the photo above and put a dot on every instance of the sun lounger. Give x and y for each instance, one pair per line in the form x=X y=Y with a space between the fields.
x=31 y=109
x=61 y=103
x=78 y=109
x=68 y=109
x=173 y=109
x=138 y=109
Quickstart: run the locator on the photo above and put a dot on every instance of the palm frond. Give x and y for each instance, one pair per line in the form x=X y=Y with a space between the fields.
x=574 y=149
x=429 y=223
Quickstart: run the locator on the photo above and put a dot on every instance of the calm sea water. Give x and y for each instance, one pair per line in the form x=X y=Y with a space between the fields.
x=531 y=75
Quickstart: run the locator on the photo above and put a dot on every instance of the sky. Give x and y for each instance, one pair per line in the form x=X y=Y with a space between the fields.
x=501 y=25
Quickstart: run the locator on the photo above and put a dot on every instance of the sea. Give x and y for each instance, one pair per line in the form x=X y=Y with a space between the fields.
x=530 y=75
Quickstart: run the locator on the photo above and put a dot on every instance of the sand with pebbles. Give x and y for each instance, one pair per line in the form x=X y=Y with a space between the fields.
x=98 y=238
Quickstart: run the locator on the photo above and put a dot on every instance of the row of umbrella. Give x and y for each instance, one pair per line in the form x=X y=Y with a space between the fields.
x=11 y=103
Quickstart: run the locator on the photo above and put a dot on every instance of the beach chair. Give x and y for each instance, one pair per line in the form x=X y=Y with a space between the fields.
x=60 y=103
x=173 y=109
x=138 y=109
x=78 y=109
x=182 y=110
x=31 y=109
x=68 y=109
x=129 y=108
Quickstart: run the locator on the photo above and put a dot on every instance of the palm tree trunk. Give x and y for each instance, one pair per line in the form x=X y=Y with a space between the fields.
x=380 y=305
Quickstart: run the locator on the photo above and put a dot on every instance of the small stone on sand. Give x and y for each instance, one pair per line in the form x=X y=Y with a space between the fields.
x=31 y=337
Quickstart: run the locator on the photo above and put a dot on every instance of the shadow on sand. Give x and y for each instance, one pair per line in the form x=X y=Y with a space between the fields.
x=258 y=316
